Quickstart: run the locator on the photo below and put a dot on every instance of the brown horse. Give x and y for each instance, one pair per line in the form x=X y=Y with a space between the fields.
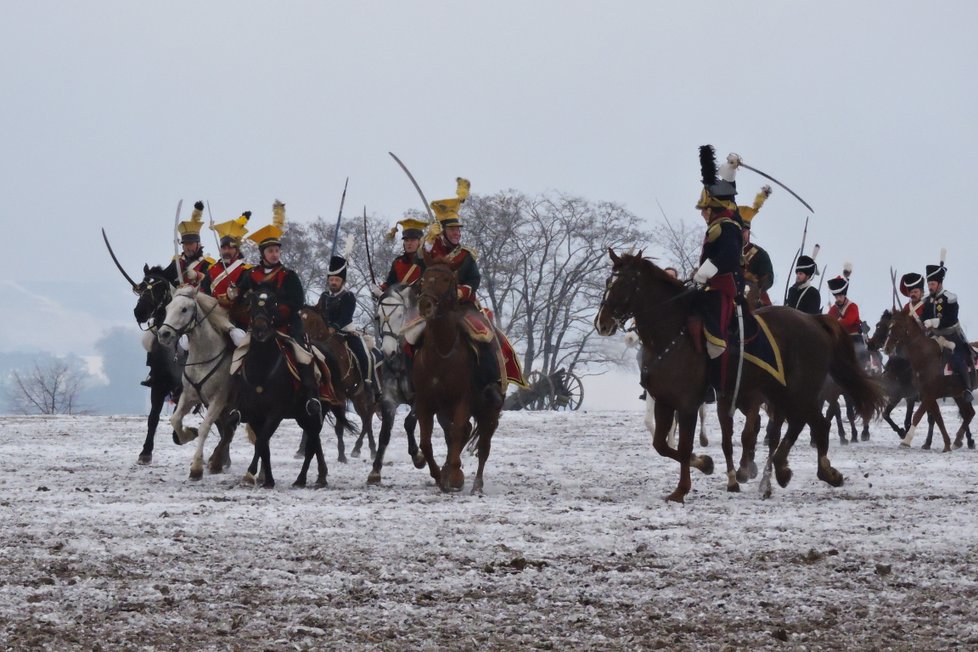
x=674 y=371
x=444 y=377
x=364 y=402
x=925 y=358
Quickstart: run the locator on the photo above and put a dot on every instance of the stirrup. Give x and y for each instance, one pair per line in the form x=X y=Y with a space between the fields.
x=148 y=382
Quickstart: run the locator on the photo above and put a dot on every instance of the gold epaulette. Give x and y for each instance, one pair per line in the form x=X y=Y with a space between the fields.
x=210 y=261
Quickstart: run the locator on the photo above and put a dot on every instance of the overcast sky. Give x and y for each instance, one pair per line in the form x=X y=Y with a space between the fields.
x=113 y=111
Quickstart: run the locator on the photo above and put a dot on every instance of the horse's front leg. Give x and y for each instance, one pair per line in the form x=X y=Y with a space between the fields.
x=426 y=421
x=924 y=407
x=658 y=420
x=210 y=416
x=887 y=416
x=966 y=411
x=687 y=427
x=704 y=441
x=388 y=411
x=157 y=398
x=183 y=435
x=748 y=444
x=725 y=417
x=452 y=476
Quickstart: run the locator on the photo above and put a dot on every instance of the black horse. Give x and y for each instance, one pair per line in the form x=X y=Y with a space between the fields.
x=165 y=362
x=264 y=393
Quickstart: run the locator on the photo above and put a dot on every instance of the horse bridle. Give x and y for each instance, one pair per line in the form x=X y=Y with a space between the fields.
x=384 y=318
x=621 y=319
x=150 y=286
x=192 y=324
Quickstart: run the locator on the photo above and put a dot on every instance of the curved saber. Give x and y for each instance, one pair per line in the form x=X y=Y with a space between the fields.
x=116 y=260
x=770 y=178
x=427 y=207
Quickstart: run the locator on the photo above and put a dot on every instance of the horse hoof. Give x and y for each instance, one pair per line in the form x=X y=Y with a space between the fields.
x=947 y=449
x=743 y=474
x=299 y=483
x=342 y=459
x=783 y=475
x=299 y=455
x=706 y=465
x=176 y=439
x=904 y=444
x=320 y=483
x=864 y=436
x=147 y=458
x=248 y=479
x=733 y=488
x=831 y=477
x=196 y=474
x=476 y=486
x=971 y=444
x=752 y=467
x=418 y=460
x=676 y=496
x=268 y=485
x=373 y=477
x=355 y=452
x=191 y=434
x=958 y=443
x=843 y=441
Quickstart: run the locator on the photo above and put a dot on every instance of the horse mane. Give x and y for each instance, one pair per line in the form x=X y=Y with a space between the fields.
x=155 y=270
x=649 y=265
x=216 y=314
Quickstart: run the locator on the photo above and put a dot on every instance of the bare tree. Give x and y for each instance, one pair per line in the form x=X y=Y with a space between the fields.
x=52 y=388
x=681 y=242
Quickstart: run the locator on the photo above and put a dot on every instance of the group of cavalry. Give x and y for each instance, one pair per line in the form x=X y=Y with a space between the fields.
x=238 y=340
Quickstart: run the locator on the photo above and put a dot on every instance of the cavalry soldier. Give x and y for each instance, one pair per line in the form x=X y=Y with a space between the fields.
x=720 y=269
x=803 y=295
x=337 y=305
x=847 y=313
x=226 y=273
x=271 y=275
x=407 y=267
x=940 y=317
x=757 y=262
x=912 y=287
x=193 y=262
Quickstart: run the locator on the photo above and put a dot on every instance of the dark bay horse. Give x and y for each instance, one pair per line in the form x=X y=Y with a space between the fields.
x=165 y=362
x=674 y=370
x=924 y=354
x=444 y=378
x=265 y=392
x=333 y=345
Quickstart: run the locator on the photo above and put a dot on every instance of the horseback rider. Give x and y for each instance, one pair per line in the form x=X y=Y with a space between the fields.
x=406 y=268
x=803 y=295
x=847 y=313
x=337 y=305
x=720 y=268
x=226 y=273
x=757 y=262
x=912 y=287
x=444 y=245
x=271 y=275
x=940 y=317
x=193 y=262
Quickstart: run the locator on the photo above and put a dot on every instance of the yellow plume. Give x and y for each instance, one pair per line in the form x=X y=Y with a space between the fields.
x=462 y=190
x=278 y=214
x=390 y=235
x=198 y=214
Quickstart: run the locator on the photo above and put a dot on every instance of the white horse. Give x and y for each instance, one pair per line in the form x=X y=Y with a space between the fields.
x=396 y=308
x=206 y=377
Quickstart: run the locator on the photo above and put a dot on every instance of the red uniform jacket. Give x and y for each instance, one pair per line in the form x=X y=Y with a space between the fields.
x=221 y=277
x=848 y=317
x=915 y=309
x=462 y=262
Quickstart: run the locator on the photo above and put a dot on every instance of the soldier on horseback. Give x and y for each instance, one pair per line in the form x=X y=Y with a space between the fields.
x=912 y=287
x=337 y=305
x=193 y=262
x=803 y=295
x=940 y=317
x=406 y=268
x=226 y=273
x=847 y=312
x=720 y=266
x=271 y=275
x=757 y=262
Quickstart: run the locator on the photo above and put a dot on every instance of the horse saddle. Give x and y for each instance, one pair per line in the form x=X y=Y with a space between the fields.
x=294 y=355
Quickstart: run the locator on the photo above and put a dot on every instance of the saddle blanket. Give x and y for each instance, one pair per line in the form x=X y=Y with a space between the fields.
x=291 y=350
x=760 y=348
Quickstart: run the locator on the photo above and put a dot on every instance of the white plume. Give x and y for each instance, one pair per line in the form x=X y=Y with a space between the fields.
x=943 y=255
x=348 y=246
x=847 y=269
x=815 y=251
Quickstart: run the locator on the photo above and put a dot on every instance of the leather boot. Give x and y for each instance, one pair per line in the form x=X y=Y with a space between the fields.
x=310 y=390
x=965 y=383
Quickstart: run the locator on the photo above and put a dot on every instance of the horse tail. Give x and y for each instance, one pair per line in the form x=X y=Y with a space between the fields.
x=865 y=393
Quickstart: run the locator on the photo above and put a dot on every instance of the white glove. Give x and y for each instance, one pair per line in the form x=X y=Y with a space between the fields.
x=184 y=342
x=705 y=272
x=237 y=336
x=734 y=159
x=934 y=322
x=232 y=293
x=632 y=339
x=376 y=290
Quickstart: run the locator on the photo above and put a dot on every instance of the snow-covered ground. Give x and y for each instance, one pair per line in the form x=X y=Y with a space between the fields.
x=570 y=547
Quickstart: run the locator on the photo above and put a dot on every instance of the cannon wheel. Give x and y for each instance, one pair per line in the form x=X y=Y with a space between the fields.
x=574 y=397
x=545 y=402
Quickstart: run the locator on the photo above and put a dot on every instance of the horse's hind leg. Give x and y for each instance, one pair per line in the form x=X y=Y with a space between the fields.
x=851 y=416
x=410 y=423
x=748 y=443
x=967 y=412
x=486 y=425
x=388 y=410
x=704 y=442
x=220 y=459
x=773 y=438
x=930 y=432
x=726 y=440
x=887 y=416
x=340 y=447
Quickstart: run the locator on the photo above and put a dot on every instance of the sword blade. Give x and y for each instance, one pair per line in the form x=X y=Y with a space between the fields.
x=116 y=260
x=427 y=206
x=176 y=244
x=770 y=178
x=336 y=233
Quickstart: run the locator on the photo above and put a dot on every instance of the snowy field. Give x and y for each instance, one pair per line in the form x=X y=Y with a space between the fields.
x=570 y=547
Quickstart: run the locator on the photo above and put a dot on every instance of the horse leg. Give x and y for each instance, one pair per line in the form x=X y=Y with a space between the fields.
x=387 y=414
x=923 y=407
x=834 y=412
x=456 y=434
x=888 y=411
x=157 y=398
x=210 y=416
x=264 y=450
x=819 y=427
x=773 y=438
x=851 y=416
x=417 y=457
x=426 y=421
x=687 y=425
x=704 y=442
x=360 y=409
x=930 y=432
x=181 y=435
x=967 y=411
x=748 y=444
x=486 y=425
x=220 y=458
x=726 y=440
x=340 y=447
x=909 y=415
x=314 y=448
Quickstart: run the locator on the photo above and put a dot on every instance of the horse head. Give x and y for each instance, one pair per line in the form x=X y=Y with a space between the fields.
x=439 y=291
x=264 y=311
x=395 y=308
x=154 y=294
x=903 y=328
x=881 y=332
x=635 y=283
x=181 y=315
